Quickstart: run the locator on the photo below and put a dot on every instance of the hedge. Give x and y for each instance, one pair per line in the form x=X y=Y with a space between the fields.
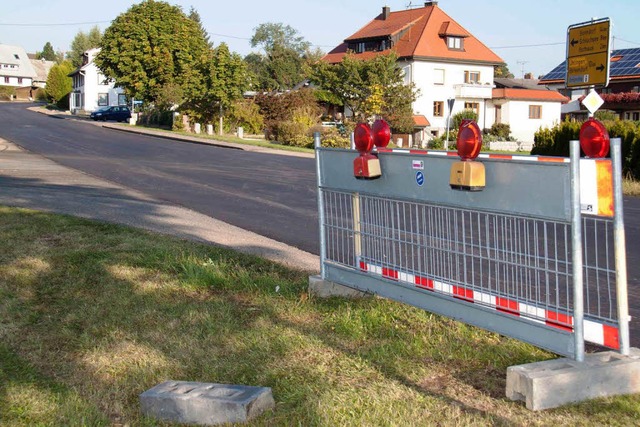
x=555 y=142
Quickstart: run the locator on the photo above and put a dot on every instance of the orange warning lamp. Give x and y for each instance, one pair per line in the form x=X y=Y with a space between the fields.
x=594 y=139
x=467 y=174
x=367 y=165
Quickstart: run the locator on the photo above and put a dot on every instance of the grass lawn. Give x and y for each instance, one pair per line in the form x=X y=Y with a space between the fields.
x=93 y=314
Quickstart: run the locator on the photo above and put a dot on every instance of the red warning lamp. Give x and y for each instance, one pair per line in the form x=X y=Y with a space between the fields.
x=468 y=175
x=367 y=165
x=469 y=140
x=381 y=133
x=594 y=139
x=363 y=138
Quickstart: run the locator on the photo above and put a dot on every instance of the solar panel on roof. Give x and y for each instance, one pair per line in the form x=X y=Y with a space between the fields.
x=627 y=65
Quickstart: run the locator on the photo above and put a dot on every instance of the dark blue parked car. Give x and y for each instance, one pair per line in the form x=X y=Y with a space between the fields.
x=118 y=113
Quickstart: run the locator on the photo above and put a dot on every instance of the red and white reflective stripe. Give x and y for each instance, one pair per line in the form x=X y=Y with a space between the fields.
x=594 y=332
x=480 y=156
x=596 y=187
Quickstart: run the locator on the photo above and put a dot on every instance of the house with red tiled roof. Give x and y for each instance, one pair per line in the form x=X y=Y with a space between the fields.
x=445 y=62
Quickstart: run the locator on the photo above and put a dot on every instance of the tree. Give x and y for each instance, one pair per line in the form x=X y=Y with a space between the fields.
x=47 y=53
x=502 y=71
x=271 y=36
x=369 y=87
x=195 y=17
x=281 y=65
x=225 y=81
x=59 y=84
x=83 y=42
x=151 y=47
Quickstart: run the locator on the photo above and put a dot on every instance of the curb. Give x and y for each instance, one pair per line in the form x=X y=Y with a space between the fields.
x=179 y=138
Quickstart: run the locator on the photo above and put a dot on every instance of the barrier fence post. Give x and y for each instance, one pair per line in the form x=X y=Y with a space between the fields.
x=357 y=237
x=620 y=247
x=318 y=143
x=576 y=253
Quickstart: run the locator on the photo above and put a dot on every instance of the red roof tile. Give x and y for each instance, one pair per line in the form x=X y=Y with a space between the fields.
x=529 y=95
x=422 y=34
x=421 y=121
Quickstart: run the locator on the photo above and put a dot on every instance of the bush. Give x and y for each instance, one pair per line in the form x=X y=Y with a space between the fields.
x=245 y=113
x=160 y=118
x=501 y=131
x=6 y=92
x=555 y=142
x=292 y=133
x=282 y=107
x=463 y=115
x=603 y=115
x=331 y=136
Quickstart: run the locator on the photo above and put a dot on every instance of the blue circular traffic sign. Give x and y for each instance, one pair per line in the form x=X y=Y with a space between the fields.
x=419 y=178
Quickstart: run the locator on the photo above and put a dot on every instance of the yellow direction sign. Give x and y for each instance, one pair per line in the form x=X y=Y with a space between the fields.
x=588 y=54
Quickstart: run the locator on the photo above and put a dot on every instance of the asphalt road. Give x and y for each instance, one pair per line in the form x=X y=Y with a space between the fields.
x=271 y=195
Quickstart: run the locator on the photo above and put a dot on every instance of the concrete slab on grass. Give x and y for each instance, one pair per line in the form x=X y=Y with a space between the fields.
x=205 y=403
x=325 y=289
x=553 y=383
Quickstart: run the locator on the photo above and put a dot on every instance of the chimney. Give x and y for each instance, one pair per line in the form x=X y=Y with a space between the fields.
x=386 y=11
x=431 y=3
x=528 y=76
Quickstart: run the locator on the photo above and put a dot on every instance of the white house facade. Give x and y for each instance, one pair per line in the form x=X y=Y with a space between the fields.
x=15 y=67
x=441 y=81
x=449 y=66
x=91 y=89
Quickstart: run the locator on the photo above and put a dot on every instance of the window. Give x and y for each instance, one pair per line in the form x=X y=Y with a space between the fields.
x=636 y=116
x=19 y=80
x=472 y=76
x=438 y=76
x=454 y=42
x=103 y=99
x=6 y=80
x=122 y=99
x=535 y=111
x=472 y=106
x=15 y=55
x=438 y=108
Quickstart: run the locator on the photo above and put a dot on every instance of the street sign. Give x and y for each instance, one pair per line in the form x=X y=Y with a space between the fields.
x=588 y=54
x=593 y=101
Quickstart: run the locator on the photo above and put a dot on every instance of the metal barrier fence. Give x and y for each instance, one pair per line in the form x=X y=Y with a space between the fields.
x=500 y=259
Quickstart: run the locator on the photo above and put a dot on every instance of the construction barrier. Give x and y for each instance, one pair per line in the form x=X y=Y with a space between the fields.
x=537 y=254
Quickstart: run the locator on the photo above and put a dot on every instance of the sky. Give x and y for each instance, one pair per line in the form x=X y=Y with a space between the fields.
x=528 y=36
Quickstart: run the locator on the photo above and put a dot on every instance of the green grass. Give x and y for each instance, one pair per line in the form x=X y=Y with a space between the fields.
x=93 y=314
x=236 y=140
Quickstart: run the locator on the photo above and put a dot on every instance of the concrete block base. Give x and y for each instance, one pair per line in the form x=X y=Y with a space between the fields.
x=553 y=383
x=325 y=289
x=205 y=403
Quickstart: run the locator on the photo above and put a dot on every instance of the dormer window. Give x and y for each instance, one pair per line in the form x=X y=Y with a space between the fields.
x=454 y=43
x=375 y=45
x=15 y=55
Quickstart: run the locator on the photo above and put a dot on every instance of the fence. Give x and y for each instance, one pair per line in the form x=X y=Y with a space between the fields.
x=507 y=259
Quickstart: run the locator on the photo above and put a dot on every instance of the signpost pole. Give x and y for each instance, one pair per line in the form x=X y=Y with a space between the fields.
x=450 y=103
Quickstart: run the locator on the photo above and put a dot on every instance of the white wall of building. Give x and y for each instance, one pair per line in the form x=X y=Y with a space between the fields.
x=15 y=81
x=439 y=81
x=91 y=90
x=523 y=128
